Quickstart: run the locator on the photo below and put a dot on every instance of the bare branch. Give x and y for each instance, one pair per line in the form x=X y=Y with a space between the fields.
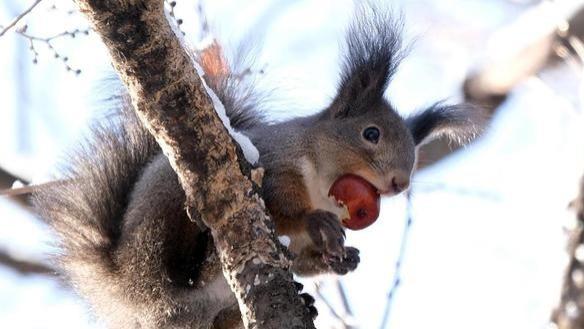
x=490 y=85
x=48 y=42
x=7 y=180
x=169 y=97
x=398 y=264
x=328 y=304
x=344 y=299
x=19 y=17
x=26 y=190
x=24 y=267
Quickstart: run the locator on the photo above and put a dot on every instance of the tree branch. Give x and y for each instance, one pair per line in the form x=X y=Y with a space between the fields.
x=570 y=312
x=491 y=83
x=170 y=99
x=25 y=266
x=19 y=17
x=7 y=179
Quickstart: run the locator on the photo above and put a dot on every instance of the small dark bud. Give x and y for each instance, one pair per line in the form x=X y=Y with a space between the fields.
x=77 y=72
x=179 y=21
x=173 y=3
x=56 y=55
x=65 y=59
x=34 y=61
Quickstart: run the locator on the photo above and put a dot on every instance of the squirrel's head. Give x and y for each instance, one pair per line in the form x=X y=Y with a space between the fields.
x=360 y=133
x=369 y=140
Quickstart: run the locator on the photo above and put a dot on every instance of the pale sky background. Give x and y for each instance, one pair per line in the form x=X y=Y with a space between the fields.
x=486 y=247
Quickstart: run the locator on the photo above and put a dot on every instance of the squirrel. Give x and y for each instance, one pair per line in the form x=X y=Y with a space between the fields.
x=127 y=245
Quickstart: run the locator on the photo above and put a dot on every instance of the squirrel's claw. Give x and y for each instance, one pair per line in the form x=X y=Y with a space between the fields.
x=325 y=230
x=345 y=264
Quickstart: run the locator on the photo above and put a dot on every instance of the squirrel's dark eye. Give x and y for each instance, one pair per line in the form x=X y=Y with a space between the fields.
x=371 y=134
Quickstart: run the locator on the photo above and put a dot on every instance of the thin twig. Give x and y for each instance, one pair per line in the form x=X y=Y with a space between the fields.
x=48 y=41
x=205 y=30
x=430 y=187
x=7 y=180
x=346 y=307
x=56 y=36
x=398 y=264
x=335 y=314
x=171 y=5
x=344 y=299
x=25 y=267
x=29 y=188
x=19 y=17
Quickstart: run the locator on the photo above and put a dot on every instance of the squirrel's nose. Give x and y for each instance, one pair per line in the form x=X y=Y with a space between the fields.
x=399 y=182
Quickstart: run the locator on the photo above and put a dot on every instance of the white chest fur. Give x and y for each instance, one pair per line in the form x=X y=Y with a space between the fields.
x=318 y=189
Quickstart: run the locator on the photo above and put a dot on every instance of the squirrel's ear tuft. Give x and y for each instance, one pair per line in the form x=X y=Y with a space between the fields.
x=460 y=123
x=372 y=52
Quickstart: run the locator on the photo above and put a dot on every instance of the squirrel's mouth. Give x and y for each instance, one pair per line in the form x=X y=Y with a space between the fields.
x=387 y=185
x=375 y=181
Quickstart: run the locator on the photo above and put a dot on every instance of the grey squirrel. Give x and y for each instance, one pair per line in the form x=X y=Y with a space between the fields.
x=127 y=244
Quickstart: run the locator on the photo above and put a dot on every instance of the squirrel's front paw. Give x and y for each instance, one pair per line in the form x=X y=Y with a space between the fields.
x=348 y=262
x=326 y=232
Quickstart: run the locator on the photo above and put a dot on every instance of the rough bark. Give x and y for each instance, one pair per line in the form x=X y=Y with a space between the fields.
x=169 y=98
x=570 y=312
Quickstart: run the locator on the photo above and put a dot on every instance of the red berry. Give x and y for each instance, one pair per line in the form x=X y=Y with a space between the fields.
x=361 y=199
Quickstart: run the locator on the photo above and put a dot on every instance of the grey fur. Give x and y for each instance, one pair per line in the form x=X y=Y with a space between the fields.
x=132 y=252
x=126 y=242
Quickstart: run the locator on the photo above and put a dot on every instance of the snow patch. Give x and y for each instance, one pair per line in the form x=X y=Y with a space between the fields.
x=284 y=240
x=17 y=184
x=251 y=153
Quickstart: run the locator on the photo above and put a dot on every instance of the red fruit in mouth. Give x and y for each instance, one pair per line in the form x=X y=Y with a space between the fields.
x=361 y=199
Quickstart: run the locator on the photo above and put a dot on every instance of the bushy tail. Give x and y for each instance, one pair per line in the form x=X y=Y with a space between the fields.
x=86 y=210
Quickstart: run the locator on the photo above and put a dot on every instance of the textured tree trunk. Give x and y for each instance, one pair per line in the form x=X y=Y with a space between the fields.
x=170 y=99
x=570 y=312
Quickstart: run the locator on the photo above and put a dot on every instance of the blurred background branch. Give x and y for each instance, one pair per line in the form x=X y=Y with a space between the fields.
x=24 y=266
x=7 y=181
